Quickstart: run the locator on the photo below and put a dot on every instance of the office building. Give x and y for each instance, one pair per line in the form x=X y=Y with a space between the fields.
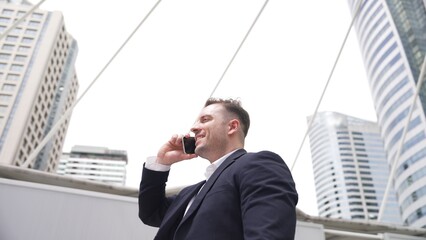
x=350 y=168
x=38 y=83
x=95 y=163
x=392 y=40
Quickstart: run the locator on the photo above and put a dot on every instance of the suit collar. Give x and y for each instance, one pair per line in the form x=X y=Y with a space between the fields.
x=216 y=164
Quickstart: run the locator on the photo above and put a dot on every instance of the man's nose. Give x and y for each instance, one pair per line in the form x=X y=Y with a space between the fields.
x=195 y=129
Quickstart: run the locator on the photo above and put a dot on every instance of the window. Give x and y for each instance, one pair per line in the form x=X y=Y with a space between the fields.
x=8 y=87
x=34 y=23
x=12 y=77
x=21 y=13
x=373 y=204
x=5 y=98
x=11 y=39
x=16 y=31
x=16 y=68
x=348 y=166
x=7 y=47
x=3 y=65
x=4 y=56
x=3 y=109
x=27 y=40
x=4 y=20
x=7 y=12
x=354 y=197
x=30 y=32
x=369 y=191
x=23 y=49
x=20 y=58
x=37 y=15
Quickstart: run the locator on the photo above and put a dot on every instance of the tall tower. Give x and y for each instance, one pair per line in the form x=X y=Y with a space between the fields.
x=350 y=168
x=392 y=40
x=38 y=84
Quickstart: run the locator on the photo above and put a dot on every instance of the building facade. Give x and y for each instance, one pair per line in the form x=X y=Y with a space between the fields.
x=38 y=83
x=350 y=168
x=392 y=40
x=95 y=163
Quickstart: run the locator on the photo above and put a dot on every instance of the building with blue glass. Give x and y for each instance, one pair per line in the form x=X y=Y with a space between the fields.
x=392 y=40
x=350 y=169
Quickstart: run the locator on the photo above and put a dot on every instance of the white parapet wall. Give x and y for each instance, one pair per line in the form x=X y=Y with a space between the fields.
x=38 y=205
x=39 y=211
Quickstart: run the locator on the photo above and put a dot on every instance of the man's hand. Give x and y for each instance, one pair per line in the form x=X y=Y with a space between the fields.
x=172 y=151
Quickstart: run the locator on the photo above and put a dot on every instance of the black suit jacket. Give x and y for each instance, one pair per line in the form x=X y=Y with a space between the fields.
x=250 y=196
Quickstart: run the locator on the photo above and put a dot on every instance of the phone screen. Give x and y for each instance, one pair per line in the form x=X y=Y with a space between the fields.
x=188 y=145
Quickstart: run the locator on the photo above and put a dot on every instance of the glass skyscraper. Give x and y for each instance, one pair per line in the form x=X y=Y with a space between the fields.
x=392 y=39
x=350 y=168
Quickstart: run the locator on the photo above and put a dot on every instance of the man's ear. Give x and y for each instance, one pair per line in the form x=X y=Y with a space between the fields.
x=233 y=126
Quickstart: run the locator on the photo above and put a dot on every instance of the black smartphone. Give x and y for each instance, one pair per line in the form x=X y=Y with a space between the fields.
x=188 y=145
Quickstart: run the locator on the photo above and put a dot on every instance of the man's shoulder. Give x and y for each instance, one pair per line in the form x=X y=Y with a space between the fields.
x=261 y=157
x=259 y=165
x=262 y=154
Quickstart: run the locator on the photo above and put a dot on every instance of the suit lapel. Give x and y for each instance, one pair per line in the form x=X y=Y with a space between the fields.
x=210 y=183
x=175 y=213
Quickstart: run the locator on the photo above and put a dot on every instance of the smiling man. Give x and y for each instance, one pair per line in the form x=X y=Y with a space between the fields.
x=245 y=195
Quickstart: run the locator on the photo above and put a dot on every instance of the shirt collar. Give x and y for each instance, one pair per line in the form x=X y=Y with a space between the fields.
x=215 y=165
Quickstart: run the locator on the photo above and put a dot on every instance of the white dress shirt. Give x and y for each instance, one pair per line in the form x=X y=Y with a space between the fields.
x=209 y=172
x=151 y=164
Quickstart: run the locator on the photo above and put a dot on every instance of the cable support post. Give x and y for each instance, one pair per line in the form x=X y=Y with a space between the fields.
x=239 y=47
x=37 y=150
x=358 y=9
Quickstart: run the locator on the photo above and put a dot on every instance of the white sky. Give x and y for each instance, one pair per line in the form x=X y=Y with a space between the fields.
x=159 y=82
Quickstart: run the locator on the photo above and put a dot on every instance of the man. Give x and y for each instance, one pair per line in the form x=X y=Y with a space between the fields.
x=245 y=195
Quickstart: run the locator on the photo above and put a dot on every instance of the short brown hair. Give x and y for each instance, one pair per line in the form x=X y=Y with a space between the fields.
x=233 y=106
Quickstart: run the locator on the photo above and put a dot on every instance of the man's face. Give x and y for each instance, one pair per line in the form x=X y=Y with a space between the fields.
x=211 y=130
